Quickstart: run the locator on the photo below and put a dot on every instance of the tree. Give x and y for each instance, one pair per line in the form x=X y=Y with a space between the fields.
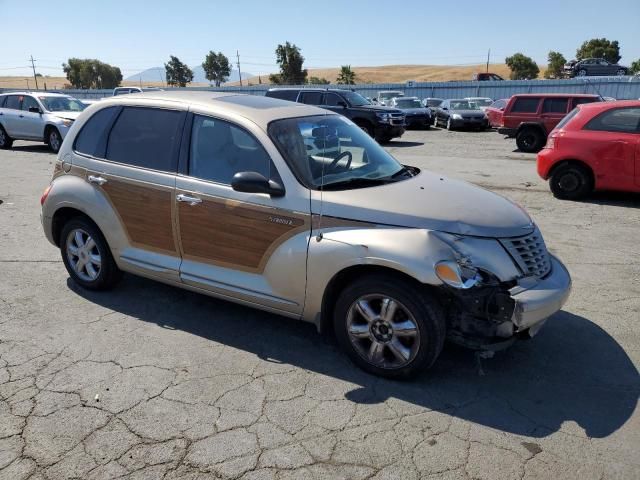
x=91 y=73
x=318 y=81
x=178 y=74
x=290 y=60
x=522 y=67
x=599 y=48
x=216 y=67
x=556 y=62
x=346 y=75
x=635 y=67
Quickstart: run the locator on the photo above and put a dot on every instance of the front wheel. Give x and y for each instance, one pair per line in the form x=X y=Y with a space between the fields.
x=388 y=327
x=621 y=72
x=449 y=125
x=5 y=140
x=54 y=140
x=530 y=140
x=582 y=72
x=87 y=256
x=570 y=182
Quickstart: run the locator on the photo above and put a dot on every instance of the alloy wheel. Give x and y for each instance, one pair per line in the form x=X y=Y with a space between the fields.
x=83 y=255
x=54 y=140
x=383 y=331
x=3 y=138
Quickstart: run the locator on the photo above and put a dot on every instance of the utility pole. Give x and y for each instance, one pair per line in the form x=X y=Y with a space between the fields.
x=488 y=55
x=239 y=72
x=34 y=71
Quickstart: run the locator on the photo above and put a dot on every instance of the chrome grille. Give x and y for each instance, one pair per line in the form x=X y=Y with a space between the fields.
x=530 y=253
x=397 y=118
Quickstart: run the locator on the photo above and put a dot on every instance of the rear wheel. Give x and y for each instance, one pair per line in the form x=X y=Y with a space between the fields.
x=571 y=182
x=582 y=72
x=530 y=140
x=388 y=327
x=54 y=139
x=621 y=72
x=5 y=140
x=87 y=256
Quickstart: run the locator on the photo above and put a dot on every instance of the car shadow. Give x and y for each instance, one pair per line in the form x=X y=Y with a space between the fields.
x=402 y=143
x=33 y=148
x=573 y=371
x=614 y=199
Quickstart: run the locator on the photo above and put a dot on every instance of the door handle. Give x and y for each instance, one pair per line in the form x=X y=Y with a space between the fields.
x=97 y=180
x=21 y=116
x=188 y=199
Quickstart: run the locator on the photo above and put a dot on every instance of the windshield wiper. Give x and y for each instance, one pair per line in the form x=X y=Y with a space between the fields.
x=359 y=182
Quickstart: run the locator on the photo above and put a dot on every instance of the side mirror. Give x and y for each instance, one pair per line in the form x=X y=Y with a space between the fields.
x=444 y=108
x=254 y=182
x=34 y=110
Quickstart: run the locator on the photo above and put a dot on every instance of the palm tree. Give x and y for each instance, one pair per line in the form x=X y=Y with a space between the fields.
x=346 y=75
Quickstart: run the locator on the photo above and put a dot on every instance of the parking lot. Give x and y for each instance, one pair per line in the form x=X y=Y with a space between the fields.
x=149 y=381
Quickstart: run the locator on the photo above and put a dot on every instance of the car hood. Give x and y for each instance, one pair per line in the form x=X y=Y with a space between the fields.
x=416 y=111
x=430 y=201
x=468 y=113
x=67 y=115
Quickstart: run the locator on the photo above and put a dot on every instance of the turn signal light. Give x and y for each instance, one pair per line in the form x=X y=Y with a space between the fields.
x=45 y=194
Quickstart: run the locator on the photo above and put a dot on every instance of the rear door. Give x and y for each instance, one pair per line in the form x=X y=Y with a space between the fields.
x=135 y=168
x=617 y=149
x=553 y=110
x=252 y=247
x=524 y=109
x=10 y=115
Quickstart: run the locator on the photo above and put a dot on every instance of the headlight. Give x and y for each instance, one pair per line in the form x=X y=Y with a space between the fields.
x=456 y=116
x=457 y=274
x=384 y=117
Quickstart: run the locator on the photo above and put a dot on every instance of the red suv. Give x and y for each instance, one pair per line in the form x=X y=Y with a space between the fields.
x=595 y=147
x=530 y=117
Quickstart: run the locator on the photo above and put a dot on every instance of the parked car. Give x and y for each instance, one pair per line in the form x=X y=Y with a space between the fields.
x=530 y=117
x=481 y=102
x=384 y=97
x=593 y=67
x=392 y=258
x=382 y=123
x=485 y=77
x=494 y=112
x=127 y=90
x=432 y=103
x=595 y=147
x=40 y=117
x=415 y=114
x=460 y=113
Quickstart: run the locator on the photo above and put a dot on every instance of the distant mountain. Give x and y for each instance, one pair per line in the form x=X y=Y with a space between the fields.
x=157 y=74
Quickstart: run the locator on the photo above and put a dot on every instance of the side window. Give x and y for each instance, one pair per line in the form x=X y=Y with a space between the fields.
x=555 y=105
x=220 y=149
x=581 y=100
x=146 y=137
x=624 y=120
x=526 y=105
x=92 y=139
x=2 y=100
x=333 y=100
x=13 y=102
x=289 y=95
x=310 y=98
x=28 y=102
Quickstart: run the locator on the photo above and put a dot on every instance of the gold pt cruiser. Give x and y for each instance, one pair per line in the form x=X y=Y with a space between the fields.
x=295 y=210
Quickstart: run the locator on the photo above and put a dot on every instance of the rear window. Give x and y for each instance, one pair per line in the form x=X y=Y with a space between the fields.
x=310 y=98
x=290 y=95
x=624 y=120
x=92 y=139
x=567 y=118
x=555 y=105
x=146 y=137
x=526 y=105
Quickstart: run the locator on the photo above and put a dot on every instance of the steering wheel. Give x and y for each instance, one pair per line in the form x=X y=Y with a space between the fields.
x=333 y=164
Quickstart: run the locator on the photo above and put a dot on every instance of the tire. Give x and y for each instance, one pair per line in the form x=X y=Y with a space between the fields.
x=449 y=127
x=530 y=140
x=96 y=268
x=435 y=121
x=371 y=344
x=571 y=182
x=54 y=139
x=383 y=140
x=621 y=72
x=581 y=73
x=5 y=140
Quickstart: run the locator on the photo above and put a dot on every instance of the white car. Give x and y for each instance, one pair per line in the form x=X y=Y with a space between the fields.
x=41 y=117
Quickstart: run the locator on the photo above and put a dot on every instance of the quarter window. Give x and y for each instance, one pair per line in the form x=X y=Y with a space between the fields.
x=146 y=137
x=92 y=138
x=13 y=102
x=526 y=105
x=310 y=98
x=220 y=149
x=555 y=105
x=624 y=120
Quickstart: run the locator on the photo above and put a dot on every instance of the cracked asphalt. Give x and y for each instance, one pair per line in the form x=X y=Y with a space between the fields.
x=152 y=382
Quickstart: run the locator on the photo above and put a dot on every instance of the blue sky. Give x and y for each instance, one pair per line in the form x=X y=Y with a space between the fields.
x=136 y=35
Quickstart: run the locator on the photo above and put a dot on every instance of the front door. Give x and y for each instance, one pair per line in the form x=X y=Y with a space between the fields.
x=31 y=123
x=250 y=247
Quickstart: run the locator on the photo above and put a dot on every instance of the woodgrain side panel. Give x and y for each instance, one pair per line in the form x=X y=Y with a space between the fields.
x=145 y=211
x=232 y=234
